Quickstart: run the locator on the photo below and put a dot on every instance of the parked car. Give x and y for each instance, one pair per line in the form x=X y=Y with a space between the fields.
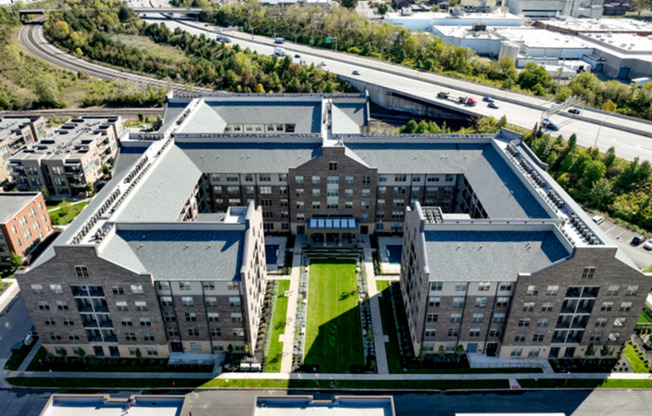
x=296 y=55
x=598 y=219
x=638 y=239
x=492 y=105
x=488 y=99
x=575 y=111
x=648 y=244
x=356 y=72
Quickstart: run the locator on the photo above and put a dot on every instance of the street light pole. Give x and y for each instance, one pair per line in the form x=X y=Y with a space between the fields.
x=597 y=136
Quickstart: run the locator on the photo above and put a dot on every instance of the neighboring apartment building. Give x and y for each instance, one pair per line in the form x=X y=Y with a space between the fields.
x=24 y=222
x=149 y=263
x=17 y=133
x=73 y=157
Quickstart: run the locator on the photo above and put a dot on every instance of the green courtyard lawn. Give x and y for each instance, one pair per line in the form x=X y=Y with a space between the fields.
x=64 y=212
x=278 y=327
x=389 y=329
x=333 y=333
x=634 y=360
x=645 y=317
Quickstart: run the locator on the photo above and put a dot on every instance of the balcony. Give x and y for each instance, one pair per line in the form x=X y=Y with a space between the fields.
x=101 y=308
x=94 y=338
x=106 y=324
x=110 y=338
x=84 y=308
x=89 y=324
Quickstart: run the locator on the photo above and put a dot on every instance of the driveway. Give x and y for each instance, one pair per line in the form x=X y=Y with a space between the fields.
x=622 y=238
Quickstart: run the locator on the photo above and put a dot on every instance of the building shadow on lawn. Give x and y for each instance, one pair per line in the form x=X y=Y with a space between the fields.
x=338 y=346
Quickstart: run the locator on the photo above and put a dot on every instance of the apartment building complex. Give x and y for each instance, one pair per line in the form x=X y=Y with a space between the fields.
x=24 y=222
x=149 y=264
x=16 y=133
x=73 y=157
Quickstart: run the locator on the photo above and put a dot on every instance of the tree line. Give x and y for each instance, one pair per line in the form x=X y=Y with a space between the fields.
x=341 y=28
x=206 y=62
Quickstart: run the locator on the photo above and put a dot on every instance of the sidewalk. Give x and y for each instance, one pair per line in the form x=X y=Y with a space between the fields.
x=376 y=319
x=288 y=337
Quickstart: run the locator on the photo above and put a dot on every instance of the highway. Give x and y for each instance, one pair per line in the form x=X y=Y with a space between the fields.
x=630 y=137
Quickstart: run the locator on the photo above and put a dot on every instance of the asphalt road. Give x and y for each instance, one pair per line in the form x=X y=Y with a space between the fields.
x=13 y=326
x=591 y=128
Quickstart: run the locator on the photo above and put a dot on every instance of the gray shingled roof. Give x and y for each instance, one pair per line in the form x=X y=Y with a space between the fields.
x=205 y=120
x=162 y=193
x=127 y=156
x=356 y=111
x=181 y=254
x=477 y=256
x=12 y=202
x=249 y=157
x=502 y=193
x=343 y=122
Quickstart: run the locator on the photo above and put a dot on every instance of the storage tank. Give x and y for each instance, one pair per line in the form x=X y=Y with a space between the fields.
x=509 y=49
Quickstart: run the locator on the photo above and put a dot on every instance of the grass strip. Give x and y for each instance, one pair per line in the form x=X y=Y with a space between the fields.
x=278 y=328
x=585 y=383
x=634 y=360
x=361 y=384
x=389 y=328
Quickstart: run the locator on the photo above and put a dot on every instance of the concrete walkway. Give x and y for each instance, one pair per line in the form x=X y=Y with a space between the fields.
x=376 y=320
x=9 y=295
x=288 y=337
x=28 y=359
x=72 y=203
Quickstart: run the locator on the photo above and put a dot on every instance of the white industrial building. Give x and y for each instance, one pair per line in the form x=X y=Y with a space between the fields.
x=545 y=9
x=426 y=21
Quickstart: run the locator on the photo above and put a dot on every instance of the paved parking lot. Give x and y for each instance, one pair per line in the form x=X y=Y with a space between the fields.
x=622 y=237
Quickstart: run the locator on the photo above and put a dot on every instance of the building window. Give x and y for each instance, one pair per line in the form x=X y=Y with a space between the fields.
x=130 y=336
x=43 y=306
x=166 y=301
x=187 y=301
x=62 y=305
x=484 y=286
x=519 y=337
x=552 y=290
x=542 y=322
x=456 y=317
x=436 y=286
x=151 y=351
x=432 y=317
x=595 y=338
x=121 y=306
x=348 y=180
x=184 y=285
x=460 y=287
x=528 y=307
x=210 y=302
x=213 y=317
x=49 y=321
x=494 y=332
x=613 y=337
x=81 y=271
x=631 y=291
x=126 y=321
x=144 y=321
x=141 y=306
x=474 y=332
x=606 y=306
x=56 y=289
x=37 y=289
x=234 y=301
x=366 y=180
x=332 y=166
x=601 y=322
x=531 y=291
x=332 y=180
x=478 y=318
x=588 y=272
x=216 y=332
x=620 y=321
x=169 y=316
x=434 y=302
x=55 y=336
x=534 y=352
x=546 y=307
x=191 y=317
x=430 y=333
x=625 y=306
x=480 y=302
x=172 y=332
x=458 y=302
x=498 y=318
x=365 y=193
x=453 y=332
x=265 y=190
x=238 y=332
x=208 y=285
x=236 y=317
x=502 y=302
x=193 y=332
x=137 y=289
x=118 y=290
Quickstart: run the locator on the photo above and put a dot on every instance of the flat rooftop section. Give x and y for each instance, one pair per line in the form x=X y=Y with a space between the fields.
x=90 y=405
x=483 y=256
x=450 y=19
x=10 y=124
x=12 y=202
x=625 y=42
x=340 y=406
x=600 y=25
x=541 y=38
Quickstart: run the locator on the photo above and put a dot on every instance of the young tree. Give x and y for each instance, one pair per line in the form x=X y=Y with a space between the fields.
x=63 y=353
x=15 y=260
x=600 y=193
x=81 y=353
x=139 y=355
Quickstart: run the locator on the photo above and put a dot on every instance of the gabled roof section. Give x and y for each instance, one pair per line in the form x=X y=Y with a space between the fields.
x=477 y=256
x=263 y=157
x=163 y=192
x=345 y=121
x=204 y=120
x=179 y=254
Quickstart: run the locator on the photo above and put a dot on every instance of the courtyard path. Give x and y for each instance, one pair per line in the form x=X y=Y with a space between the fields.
x=288 y=337
x=376 y=320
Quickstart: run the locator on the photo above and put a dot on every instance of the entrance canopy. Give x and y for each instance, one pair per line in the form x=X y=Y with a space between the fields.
x=334 y=224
